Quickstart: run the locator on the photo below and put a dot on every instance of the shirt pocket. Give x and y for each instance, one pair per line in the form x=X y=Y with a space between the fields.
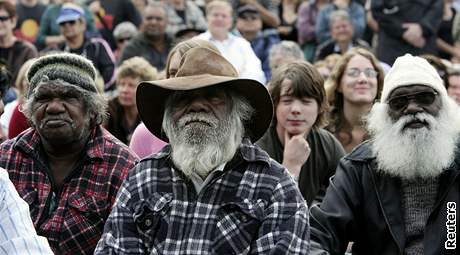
x=237 y=225
x=84 y=220
x=150 y=218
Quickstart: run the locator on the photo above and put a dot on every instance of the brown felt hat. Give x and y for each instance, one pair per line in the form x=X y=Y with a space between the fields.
x=200 y=68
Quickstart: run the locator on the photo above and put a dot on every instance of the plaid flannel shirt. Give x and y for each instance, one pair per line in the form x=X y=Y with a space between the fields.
x=252 y=207
x=72 y=218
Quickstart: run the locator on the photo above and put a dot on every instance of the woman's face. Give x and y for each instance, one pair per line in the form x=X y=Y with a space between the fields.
x=127 y=90
x=359 y=81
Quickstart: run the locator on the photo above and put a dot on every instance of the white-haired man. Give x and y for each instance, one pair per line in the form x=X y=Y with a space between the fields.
x=211 y=191
x=397 y=193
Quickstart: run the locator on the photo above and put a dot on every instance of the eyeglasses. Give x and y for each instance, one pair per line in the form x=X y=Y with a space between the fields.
x=424 y=98
x=122 y=40
x=70 y=22
x=355 y=72
x=4 y=18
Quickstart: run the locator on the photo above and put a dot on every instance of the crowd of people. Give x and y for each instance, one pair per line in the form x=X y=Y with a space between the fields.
x=229 y=126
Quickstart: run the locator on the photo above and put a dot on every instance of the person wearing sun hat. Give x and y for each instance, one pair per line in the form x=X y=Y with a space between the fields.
x=66 y=166
x=397 y=192
x=211 y=190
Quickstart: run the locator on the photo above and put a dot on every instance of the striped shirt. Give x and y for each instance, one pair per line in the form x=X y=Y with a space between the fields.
x=17 y=232
x=252 y=207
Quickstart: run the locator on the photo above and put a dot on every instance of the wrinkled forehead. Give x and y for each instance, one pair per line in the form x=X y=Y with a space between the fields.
x=57 y=88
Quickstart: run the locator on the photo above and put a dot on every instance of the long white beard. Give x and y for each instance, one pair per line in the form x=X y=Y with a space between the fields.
x=201 y=147
x=410 y=153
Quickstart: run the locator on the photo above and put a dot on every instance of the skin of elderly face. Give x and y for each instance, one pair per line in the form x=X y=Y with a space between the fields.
x=212 y=101
x=58 y=113
x=413 y=107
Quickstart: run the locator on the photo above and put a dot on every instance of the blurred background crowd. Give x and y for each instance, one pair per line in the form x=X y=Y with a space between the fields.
x=130 y=40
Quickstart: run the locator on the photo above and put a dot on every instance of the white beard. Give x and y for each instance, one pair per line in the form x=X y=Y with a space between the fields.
x=410 y=153
x=201 y=147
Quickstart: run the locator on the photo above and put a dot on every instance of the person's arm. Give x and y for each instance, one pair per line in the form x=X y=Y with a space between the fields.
x=268 y=15
x=431 y=20
x=322 y=25
x=333 y=223
x=252 y=66
x=43 y=37
x=90 y=24
x=388 y=18
x=106 y=63
x=120 y=232
x=358 y=18
x=17 y=232
x=305 y=23
x=285 y=228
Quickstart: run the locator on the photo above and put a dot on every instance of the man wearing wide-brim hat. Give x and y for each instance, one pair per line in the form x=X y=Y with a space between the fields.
x=211 y=190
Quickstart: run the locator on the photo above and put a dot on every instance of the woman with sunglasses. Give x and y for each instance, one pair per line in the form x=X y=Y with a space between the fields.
x=353 y=86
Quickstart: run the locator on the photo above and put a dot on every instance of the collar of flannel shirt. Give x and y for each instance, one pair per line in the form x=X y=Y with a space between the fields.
x=30 y=141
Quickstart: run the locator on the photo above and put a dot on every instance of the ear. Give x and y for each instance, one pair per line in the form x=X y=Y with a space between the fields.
x=14 y=20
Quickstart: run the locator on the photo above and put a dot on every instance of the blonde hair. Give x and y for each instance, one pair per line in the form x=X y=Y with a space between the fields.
x=137 y=67
x=21 y=83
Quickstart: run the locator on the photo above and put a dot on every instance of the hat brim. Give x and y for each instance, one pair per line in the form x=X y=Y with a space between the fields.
x=66 y=18
x=151 y=97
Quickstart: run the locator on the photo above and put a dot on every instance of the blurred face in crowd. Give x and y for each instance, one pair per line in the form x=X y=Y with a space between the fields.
x=359 y=81
x=219 y=19
x=127 y=90
x=59 y=114
x=72 y=29
x=295 y=115
x=278 y=60
x=154 y=22
x=341 y=30
x=249 y=22
x=7 y=23
x=454 y=87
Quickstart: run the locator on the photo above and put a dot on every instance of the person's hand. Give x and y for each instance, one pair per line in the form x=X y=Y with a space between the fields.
x=414 y=34
x=95 y=7
x=284 y=30
x=296 y=153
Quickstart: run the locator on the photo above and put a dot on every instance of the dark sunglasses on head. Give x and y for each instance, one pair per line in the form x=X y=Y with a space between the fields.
x=4 y=18
x=71 y=22
x=424 y=98
x=122 y=40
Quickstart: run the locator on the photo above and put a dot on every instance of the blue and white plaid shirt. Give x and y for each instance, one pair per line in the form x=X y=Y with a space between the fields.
x=17 y=233
x=252 y=207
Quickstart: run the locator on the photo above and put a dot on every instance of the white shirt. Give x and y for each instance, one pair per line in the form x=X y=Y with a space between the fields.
x=17 y=232
x=239 y=53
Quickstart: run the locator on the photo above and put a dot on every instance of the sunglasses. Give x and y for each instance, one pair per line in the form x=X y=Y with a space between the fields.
x=122 y=40
x=4 y=18
x=70 y=22
x=425 y=98
x=249 y=17
x=355 y=72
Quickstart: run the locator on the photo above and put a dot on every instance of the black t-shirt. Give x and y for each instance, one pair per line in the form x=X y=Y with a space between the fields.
x=28 y=21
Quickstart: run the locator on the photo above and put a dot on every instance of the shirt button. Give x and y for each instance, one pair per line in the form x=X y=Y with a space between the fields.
x=148 y=222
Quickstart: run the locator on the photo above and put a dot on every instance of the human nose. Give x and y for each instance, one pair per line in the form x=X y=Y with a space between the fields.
x=55 y=106
x=295 y=107
x=198 y=104
x=412 y=107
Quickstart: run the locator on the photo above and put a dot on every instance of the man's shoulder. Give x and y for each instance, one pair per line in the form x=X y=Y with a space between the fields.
x=110 y=146
x=362 y=152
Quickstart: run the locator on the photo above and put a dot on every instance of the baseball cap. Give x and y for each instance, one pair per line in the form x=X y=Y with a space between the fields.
x=69 y=12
